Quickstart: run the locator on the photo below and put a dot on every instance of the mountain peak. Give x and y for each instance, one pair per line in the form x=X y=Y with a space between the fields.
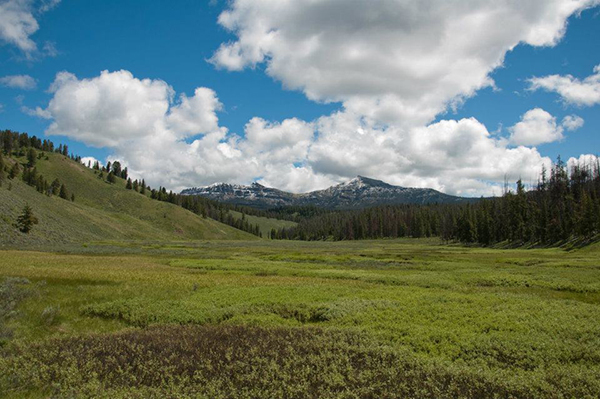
x=358 y=192
x=362 y=181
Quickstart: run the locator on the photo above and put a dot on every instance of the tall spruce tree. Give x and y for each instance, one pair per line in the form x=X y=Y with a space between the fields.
x=2 y=172
x=26 y=219
x=31 y=157
x=63 y=192
x=14 y=171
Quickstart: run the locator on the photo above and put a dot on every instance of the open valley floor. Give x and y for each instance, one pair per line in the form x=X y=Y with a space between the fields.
x=217 y=319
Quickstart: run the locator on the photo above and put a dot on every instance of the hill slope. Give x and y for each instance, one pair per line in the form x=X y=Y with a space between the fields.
x=101 y=211
x=360 y=192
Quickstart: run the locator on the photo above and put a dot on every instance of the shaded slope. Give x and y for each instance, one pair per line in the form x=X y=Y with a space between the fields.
x=101 y=211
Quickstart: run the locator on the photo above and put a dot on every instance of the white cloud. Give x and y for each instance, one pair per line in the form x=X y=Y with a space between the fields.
x=108 y=110
x=536 y=127
x=179 y=143
x=572 y=122
x=24 y=82
x=18 y=23
x=458 y=157
x=584 y=160
x=400 y=62
x=584 y=92
x=37 y=111
x=394 y=66
x=89 y=161
x=539 y=127
x=48 y=5
x=139 y=120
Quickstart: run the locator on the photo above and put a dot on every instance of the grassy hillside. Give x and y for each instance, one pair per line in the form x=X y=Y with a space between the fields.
x=265 y=224
x=101 y=211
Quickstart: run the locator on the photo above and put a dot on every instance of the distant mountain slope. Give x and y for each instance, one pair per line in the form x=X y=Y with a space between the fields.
x=359 y=192
x=101 y=211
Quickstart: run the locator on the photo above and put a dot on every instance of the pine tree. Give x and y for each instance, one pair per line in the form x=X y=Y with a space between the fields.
x=128 y=186
x=55 y=186
x=116 y=168
x=8 y=143
x=63 y=192
x=14 y=171
x=2 y=173
x=143 y=187
x=111 y=178
x=31 y=158
x=26 y=220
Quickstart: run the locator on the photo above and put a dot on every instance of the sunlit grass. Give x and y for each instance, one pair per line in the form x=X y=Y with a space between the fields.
x=519 y=321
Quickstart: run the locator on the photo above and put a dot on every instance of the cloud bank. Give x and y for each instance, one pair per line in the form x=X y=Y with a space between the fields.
x=394 y=66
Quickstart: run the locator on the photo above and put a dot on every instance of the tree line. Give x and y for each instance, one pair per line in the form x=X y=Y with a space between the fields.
x=564 y=205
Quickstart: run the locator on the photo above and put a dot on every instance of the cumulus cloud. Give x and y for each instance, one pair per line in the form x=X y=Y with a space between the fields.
x=573 y=91
x=399 y=62
x=585 y=161
x=536 y=127
x=89 y=161
x=394 y=66
x=177 y=141
x=539 y=127
x=459 y=157
x=18 y=23
x=572 y=122
x=24 y=82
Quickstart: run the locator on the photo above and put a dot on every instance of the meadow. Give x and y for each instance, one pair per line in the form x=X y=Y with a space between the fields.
x=364 y=319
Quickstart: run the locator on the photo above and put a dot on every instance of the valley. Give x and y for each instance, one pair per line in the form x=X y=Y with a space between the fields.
x=393 y=318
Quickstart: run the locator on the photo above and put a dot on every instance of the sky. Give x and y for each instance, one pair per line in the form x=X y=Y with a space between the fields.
x=302 y=94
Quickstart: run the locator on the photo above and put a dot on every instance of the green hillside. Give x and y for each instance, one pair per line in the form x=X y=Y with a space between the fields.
x=264 y=224
x=101 y=211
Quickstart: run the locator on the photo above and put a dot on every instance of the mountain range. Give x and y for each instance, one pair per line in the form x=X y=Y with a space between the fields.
x=360 y=192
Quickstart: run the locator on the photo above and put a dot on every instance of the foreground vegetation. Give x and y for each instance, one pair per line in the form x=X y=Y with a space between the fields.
x=397 y=318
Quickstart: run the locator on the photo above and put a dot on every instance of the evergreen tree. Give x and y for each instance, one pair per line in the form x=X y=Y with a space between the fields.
x=128 y=186
x=63 y=192
x=26 y=220
x=14 y=171
x=31 y=158
x=116 y=168
x=55 y=187
x=2 y=172
x=111 y=178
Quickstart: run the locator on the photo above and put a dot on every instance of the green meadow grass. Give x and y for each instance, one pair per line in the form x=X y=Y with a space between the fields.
x=265 y=224
x=387 y=318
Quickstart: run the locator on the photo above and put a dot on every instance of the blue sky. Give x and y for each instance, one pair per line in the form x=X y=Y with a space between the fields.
x=312 y=122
